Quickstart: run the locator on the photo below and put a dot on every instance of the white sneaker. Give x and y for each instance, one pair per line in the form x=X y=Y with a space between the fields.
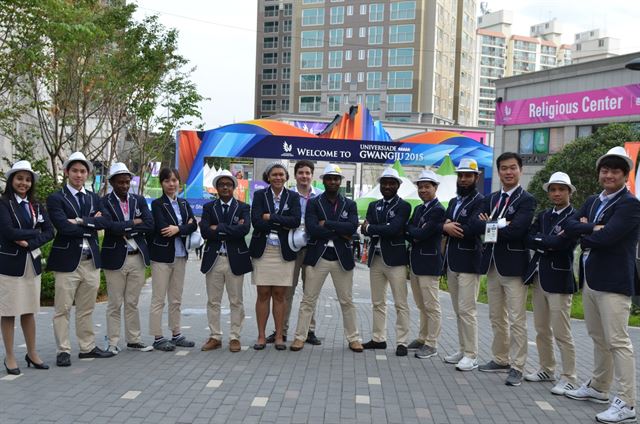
x=618 y=412
x=539 y=376
x=467 y=364
x=562 y=386
x=454 y=358
x=585 y=392
x=113 y=349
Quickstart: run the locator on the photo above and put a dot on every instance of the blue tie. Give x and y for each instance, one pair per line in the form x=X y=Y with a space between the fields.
x=26 y=212
x=225 y=212
x=80 y=196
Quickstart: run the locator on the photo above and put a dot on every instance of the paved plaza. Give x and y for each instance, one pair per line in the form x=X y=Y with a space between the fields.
x=320 y=384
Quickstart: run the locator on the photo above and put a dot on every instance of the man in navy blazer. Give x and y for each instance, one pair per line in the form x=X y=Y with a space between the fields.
x=77 y=216
x=424 y=233
x=330 y=221
x=225 y=223
x=505 y=260
x=608 y=224
x=551 y=272
x=125 y=256
x=385 y=225
x=462 y=256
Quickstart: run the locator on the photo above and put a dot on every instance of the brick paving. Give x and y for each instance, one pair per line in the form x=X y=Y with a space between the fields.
x=320 y=384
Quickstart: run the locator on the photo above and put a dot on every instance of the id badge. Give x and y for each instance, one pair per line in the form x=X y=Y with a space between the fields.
x=491 y=232
x=36 y=252
x=273 y=236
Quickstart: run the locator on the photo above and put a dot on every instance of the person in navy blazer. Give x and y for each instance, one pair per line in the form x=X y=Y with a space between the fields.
x=609 y=224
x=77 y=215
x=274 y=211
x=125 y=256
x=505 y=262
x=225 y=223
x=174 y=222
x=330 y=221
x=385 y=225
x=551 y=273
x=462 y=258
x=25 y=228
x=424 y=233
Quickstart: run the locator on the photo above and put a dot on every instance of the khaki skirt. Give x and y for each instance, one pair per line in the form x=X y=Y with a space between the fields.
x=20 y=295
x=271 y=270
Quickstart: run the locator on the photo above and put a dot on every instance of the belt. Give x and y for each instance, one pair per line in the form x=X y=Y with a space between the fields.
x=132 y=252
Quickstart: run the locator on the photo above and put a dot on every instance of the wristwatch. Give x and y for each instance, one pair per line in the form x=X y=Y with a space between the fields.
x=78 y=220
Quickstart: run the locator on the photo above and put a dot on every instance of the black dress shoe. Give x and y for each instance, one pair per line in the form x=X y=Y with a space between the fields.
x=40 y=366
x=63 y=359
x=259 y=346
x=374 y=345
x=401 y=350
x=11 y=371
x=312 y=339
x=96 y=352
x=272 y=338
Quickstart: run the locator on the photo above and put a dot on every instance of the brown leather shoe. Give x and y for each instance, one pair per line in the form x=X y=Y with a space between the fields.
x=211 y=344
x=356 y=346
x=234 y=345
x=297 y=345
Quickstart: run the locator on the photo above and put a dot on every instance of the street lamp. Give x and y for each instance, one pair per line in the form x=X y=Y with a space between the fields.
x=634 y=65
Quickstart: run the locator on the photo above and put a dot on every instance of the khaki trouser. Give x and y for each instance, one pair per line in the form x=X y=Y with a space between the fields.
x=607 y=315
x=343 y=283
x=219 y=277
x=297 y=271
x=552 y=319
x=507 y=312
x=425 y=290
x=396 y=276
x=463 y=288
x=80 y=286
x=167 y=281
x=124 y=286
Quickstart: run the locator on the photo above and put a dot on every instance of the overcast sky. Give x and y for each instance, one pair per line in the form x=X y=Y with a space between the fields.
x=219 y=38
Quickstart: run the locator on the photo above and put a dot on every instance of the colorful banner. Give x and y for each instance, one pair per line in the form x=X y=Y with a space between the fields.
x=615 y=101
x=311 y=127
x=633 y=148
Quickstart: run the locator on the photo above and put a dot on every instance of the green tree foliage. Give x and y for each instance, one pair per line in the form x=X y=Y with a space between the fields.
x=578 y=159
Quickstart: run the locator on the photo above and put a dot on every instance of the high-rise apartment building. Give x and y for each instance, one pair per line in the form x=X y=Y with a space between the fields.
x=405 y=60
x=593 y=45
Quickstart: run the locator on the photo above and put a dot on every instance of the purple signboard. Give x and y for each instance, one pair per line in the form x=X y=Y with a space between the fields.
x=615 y=101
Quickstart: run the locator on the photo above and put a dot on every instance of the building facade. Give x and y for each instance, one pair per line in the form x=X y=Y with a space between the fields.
x=593 y=45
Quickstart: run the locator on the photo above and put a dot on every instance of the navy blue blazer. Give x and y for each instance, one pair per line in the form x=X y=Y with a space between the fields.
x=66 y=250
x=610 y=266
x=464 y=254
x=553 y=257
x=163 y=249
x=424 y=232
x=281 y=221
x=231 y=231
x=389 y=229
x=510 y=253
x=13 y=258
x=340 y=223
x=114 y=246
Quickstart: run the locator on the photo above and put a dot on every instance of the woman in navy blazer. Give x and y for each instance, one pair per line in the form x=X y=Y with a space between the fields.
x=274 y=211
x=25 y=227
x=174 y=221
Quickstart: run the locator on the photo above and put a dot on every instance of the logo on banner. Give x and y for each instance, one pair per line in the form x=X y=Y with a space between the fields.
x=287 y=148
x=507 y=111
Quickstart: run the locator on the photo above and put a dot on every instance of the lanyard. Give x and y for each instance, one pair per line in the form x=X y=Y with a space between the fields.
x=503 y=211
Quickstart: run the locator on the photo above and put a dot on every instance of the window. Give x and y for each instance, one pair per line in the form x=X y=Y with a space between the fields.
x=359 y=99
x=286 y=74
x=399 y=102
x=311 y=39
x=270 y=11
x=312 y=1
x=336 y=37
x=363 y=9
x=349 y=10
x=285 y=89
x=286 y=27
x=361 y=54
x=313 y=16
x=600 y=43
x=288 y=9
x=271 y=26
x=335 y=59
x=310 y=60
x=376 y=12
x=269 y=74
x=285 y=105
x=334 y=103
x=360 y=76
x=347 y=77
x=373 y=80
x=269 y=58
x=349 y=32
x=362 y=32
x=372 y=102
x=400 y=79
x=401 y=33
x=335 y=81
x=375 y=35
x=401 y=57
x=403 y=10
x=336 y=15
x=347 y=55
x=309 y=104
x=310 y=82
x=286 y=42
x=286 y=58
x=270 y=43
x=374 y=58
x=269 y=89
x=268 y=105
x=534 y=142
